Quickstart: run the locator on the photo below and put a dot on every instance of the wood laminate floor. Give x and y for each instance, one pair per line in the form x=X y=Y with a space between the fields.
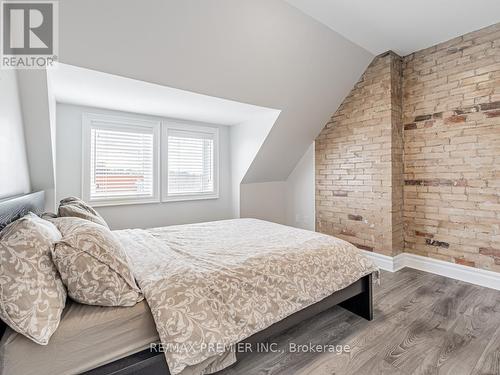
x=424 y=324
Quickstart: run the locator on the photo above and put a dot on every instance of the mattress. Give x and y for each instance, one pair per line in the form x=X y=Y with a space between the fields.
x=88 y=337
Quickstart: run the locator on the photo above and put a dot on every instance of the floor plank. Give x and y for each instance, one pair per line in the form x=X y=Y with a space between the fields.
x=424 y=324
x=489 y=362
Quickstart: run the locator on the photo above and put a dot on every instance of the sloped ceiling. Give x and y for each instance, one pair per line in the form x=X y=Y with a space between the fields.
x=404 y=26
x=109 y=91
x=261 y=52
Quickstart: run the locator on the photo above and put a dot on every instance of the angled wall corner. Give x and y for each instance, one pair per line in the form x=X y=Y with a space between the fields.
x=289 y=202
x=38 y=107
x=300 y=206
x=246 y=140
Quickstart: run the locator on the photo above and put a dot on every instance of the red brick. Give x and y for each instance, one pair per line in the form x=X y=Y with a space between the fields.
x=489 y=251
x=423 y=234
x=455 y=119
x=465 y=262
x=363 y=247
x=493 y=114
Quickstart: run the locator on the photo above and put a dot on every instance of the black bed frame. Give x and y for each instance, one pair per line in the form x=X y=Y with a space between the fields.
x=356 y=298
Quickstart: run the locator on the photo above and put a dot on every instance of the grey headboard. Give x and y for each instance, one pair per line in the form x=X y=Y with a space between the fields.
x=15 y=207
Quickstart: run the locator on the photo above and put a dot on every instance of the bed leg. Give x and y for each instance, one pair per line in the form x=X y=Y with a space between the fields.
x=361 y=304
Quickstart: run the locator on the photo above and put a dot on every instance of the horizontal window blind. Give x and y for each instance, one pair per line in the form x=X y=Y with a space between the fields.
x=191 y=168
x=121 y=163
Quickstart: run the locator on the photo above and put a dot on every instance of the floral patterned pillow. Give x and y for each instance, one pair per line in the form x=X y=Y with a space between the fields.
x=32 y=295
x=75 y=207
x=93 y=265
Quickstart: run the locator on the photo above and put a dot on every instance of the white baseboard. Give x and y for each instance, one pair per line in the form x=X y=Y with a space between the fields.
x=382 y=261
x=471 y=275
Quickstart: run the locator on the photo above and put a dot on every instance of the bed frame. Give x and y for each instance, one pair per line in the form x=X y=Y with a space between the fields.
x=356 y=298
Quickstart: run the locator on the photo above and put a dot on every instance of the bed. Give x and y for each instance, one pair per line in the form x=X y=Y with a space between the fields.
x=122 y=337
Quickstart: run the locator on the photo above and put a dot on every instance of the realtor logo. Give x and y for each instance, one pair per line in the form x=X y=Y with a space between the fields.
x=29 y=34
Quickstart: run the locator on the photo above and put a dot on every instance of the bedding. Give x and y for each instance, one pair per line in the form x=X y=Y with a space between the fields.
x=211 y=285
x=87 y=337
x=93 y=265
x=75 y=207
x=32 y=295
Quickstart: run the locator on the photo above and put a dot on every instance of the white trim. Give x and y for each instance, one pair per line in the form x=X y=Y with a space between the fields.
x=194 y=127
x=121 y=122
x=399 y=262
x=381 y=261
x=471 y=275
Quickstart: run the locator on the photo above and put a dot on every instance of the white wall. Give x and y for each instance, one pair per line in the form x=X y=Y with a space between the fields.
x=290 y=202
x=13 y=161
x=300 y=193
x=39 y=130
x=264 y=200
x=69 y=164
x=246 y=140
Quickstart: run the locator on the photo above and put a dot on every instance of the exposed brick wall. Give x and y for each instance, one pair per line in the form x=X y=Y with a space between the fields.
x=354 y=168
x=451 y=116
x=427 y=125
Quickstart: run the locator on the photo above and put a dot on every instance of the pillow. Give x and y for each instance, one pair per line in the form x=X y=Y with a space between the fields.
x=93 y=265
x=75 y=207
x=32 y=295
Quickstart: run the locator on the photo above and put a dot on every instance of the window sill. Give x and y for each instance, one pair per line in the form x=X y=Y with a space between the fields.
x=124 y=202
x=184 y=198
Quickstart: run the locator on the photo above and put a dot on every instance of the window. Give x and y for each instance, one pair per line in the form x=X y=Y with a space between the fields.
x=122 y=157
x=191 y=167
x=120 y=160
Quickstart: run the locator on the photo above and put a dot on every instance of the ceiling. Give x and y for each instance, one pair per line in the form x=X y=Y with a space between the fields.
x=403 y=26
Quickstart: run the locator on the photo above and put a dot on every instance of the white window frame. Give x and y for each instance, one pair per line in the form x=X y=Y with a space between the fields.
x=118 y=122
x=190 y=127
